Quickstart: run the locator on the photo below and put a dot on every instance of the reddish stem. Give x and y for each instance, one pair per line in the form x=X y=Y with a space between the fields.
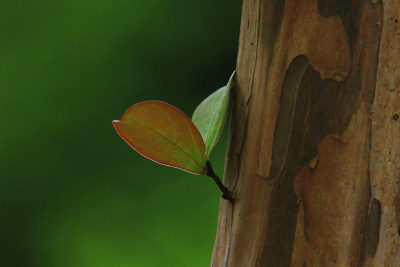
x=226 y=194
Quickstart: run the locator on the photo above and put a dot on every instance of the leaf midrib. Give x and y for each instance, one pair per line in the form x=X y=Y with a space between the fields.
x=174 y=144
x=212 y=122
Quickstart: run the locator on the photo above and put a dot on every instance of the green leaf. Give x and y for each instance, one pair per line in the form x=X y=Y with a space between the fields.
x=165 y=135
x=210 y=115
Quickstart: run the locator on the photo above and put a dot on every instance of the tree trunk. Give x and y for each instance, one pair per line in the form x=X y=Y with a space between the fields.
x=313 y=155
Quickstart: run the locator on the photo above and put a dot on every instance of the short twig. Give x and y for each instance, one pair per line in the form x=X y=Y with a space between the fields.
x=226 y=194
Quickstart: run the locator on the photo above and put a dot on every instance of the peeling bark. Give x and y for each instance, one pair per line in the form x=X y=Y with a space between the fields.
x=313 y=155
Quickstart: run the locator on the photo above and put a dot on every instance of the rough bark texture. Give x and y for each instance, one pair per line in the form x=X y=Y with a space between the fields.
x=314 y=149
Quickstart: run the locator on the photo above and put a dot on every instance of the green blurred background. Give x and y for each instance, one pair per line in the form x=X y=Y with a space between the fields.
x=72 y=192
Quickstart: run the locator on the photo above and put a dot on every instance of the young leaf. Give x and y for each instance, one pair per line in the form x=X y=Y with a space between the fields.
x=165 y=135
x=210 y=115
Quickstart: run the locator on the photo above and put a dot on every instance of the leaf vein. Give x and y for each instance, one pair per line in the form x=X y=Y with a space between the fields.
x=174 y=144
x=170 y=121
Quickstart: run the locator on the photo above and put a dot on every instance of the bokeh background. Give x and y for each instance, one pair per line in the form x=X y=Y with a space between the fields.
x=72 y=192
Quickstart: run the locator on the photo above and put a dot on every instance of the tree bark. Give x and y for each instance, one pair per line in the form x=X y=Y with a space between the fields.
x=313 y=154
